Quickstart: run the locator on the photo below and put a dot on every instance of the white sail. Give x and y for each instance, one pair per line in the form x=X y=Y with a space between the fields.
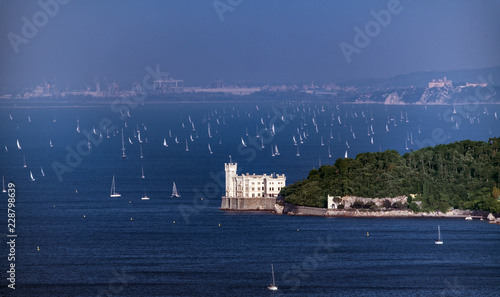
x=142 y=172
x=165 y=142
x=113 y=192
x=50 y=143
x=276 y=152
x=18 y=145
x=31 y=176
x=41 y=169
x=3 y=184
x=77 y=127
x=272 y=287
x=140 y=146
x=298 y=153
x=123 y=147
x=329 y=154
x=187 y=148
x=345 y=156
x=243 y=142
x=439 y=241
x=209 y=149
x=130 y=141
x=175 y=193
x=139 y=136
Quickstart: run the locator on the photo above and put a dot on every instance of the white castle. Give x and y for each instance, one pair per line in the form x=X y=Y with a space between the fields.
x=252 y=186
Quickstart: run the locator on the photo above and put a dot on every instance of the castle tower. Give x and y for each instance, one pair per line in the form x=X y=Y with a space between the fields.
x=230 y=179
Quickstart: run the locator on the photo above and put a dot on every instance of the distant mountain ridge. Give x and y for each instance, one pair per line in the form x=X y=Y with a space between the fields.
x=414 y=88
x=422 y=78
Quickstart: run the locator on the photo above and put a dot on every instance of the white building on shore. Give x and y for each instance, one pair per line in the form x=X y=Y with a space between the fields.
x=251 y=185
x=440 y=83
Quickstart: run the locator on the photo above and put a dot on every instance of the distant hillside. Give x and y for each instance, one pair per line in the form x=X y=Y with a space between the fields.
x=463 y=175
x=421 y=79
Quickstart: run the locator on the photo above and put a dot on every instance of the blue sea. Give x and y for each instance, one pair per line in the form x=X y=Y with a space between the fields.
x=73 y=239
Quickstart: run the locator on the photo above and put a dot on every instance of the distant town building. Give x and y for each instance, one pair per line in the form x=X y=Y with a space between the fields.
x=168 y=85
x=476 y=85
x=225 y=90
x=440 y=83
x=251 y=185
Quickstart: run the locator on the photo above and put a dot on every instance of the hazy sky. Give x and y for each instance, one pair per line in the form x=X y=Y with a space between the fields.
x=256 y=40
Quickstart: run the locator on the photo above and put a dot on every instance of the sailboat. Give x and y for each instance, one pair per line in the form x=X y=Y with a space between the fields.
x=145 y=196
x=243 y=142
x=123 y=148
x=439 y=241
x=276 y=152
x=18 y=145
x=298 y=153
x=329 y=154
x=113 y=192
x=77 y=127
x=175 y=194
x=41 y=169
x=140 y=146
x=187 y=148
x=50 y=143
x=272 y=286
x=24 y=160
x=345 y=156
x=165 y=142
x=209 y=149
x=31 y=175
x=3 y=184
x=142 y=172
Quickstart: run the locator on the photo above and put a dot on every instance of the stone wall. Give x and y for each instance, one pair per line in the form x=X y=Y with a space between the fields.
x=247 y=203
x=291 y=209
x=349 y=200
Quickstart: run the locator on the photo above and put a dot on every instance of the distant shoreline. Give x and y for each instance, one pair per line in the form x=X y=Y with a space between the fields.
x=29 y=103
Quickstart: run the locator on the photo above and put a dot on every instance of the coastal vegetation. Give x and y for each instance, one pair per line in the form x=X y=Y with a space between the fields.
x=460 y=175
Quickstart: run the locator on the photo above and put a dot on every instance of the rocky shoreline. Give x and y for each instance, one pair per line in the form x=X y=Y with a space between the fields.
x=290 y=209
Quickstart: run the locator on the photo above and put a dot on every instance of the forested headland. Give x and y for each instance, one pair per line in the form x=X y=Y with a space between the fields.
x=460 y=175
